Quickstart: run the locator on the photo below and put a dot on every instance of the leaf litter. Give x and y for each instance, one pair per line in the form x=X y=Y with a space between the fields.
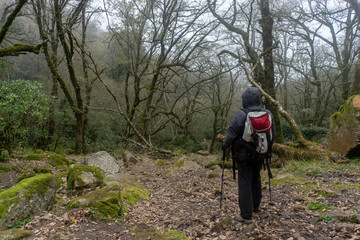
x=183 y=200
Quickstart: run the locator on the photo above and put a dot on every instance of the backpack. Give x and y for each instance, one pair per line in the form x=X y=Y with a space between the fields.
x=257 y=131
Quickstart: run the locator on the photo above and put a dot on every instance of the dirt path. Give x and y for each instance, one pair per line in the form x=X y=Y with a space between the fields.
x=183 y=200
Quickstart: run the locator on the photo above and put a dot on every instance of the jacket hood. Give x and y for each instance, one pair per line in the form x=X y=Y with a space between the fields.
x=251 y=97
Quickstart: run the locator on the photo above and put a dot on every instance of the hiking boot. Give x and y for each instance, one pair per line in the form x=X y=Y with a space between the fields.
x=257 y=210
x=241 y=219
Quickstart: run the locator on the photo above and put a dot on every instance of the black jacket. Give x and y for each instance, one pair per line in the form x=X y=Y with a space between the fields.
x=251 y=101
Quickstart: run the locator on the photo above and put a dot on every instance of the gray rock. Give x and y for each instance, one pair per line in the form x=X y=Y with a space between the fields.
x=191 y=165
x=130 y=158
x=104 y=161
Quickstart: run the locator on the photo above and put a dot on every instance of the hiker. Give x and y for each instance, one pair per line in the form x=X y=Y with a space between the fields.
x=248 y=164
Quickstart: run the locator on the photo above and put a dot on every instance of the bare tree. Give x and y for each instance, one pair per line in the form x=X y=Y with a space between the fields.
x=264 y=72
x=58 y=22
x=355 y=88
x=158 y=41
x=17 y=48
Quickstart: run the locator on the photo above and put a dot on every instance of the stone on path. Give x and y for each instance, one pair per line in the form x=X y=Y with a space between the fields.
x=104 y=161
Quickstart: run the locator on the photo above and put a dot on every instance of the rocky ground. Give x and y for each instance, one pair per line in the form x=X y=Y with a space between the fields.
x=309 y=201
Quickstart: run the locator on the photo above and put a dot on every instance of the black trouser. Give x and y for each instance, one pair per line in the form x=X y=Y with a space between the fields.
x=249 y=183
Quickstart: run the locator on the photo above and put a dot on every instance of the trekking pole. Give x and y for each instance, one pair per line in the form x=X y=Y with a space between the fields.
x=269 y=173
x=222 y=178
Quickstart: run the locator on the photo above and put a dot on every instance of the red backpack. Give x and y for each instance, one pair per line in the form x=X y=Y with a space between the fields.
x=257 y=131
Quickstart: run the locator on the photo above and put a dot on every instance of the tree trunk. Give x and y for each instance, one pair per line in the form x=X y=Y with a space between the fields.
x=355 y=88
x=79 y=133
x=268 y=84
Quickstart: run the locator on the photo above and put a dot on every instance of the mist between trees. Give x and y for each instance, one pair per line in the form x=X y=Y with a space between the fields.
x=169 y=74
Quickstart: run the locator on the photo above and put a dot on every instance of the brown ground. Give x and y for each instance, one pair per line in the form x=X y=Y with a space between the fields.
x=183 y=201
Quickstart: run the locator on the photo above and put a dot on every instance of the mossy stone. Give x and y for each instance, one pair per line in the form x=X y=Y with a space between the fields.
x=179 y=163
x=58 y=178
x=105 y=202
x=160 y=163
x=26 y=174
x=14 y=234
x=77 y=170
x=36 y=156
x=143 y=232
x=23 y=192
x=227 y=164
x=133 y=195
x=58 y=161
x=344 y=126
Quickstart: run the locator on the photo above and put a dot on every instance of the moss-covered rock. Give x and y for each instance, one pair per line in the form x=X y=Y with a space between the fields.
x=227 y=164
x=133 y=195
x=160 y=163
x=82 y=176
x=58 y=161
x=30 y=196
x=36 y=156
x=14 y=234
x=131 y=191
x=179 y=162
x=59 y=178
x=42 y=170
x=143 y=232
x=28 y=173
x=344 y=128
x=104 y=203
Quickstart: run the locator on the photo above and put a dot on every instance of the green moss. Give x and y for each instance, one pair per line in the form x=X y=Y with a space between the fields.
x=14 y=234
x=143 y=232
x=132 y=195
x=58 y=178
x=211 y=175
x=317 y=206
x=27 y=187
x=105 y=202
x=59 y=161
x=167 y=171
x=289 y=181
x=340 y=186
x=179 y=163
x=227 y=164
x=174 y=235
x=36 y=156
x=216 y=193
x=160 y=163
x=26 y=174
x=1 y=190
x=7 y=168
x=75 y=171
x=350 y=219
x=42 y=170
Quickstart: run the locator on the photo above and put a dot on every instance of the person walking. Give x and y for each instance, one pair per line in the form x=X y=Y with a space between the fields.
x=248 y=164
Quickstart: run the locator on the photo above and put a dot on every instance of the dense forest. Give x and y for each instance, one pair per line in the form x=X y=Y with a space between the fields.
x=100 y=75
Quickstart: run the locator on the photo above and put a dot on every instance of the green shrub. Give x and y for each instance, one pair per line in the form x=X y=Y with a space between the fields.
x=22 y=107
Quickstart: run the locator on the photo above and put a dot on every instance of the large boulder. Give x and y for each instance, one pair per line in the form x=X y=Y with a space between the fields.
x=82 y=176
x=104 y=202
x=344 y=134
x=104 y=161
x=29 y=197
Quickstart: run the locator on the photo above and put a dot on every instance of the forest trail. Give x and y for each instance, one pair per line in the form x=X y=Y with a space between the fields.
x=307 y=207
